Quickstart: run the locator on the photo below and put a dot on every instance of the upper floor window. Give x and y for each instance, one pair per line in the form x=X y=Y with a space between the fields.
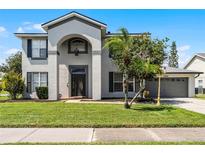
x=37 y=49
x=77 y=46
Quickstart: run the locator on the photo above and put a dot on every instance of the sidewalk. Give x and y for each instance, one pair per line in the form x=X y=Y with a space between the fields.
x=57 y=135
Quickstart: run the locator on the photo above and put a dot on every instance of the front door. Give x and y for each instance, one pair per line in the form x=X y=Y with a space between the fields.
x=78 y=85
x=78 y=80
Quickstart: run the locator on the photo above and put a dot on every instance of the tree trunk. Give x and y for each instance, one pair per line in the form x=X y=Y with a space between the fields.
x=142 y=87
x=125 y=84
x=139 y=93
x=13 y=96
x=158 y=93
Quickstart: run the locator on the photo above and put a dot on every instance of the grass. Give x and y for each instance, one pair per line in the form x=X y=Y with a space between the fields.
x=111 y=143
x=200 y=96
x=58 y=114
x=3 y=98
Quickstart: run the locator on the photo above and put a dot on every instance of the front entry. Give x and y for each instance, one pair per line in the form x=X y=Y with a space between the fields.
x=78 y=85
x=78 y=80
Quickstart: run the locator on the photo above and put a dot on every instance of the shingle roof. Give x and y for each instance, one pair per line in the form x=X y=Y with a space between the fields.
x=171 y=70
x=20 y=35
x=72 y=14
x=201 y=54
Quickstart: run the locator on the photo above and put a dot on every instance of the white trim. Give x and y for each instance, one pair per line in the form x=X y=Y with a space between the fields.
x=188 y=63
x=39 y=80
x=45 y=27
x=26 y=35
x=129 y=81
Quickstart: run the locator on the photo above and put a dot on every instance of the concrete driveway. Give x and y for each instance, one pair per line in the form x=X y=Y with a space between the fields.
x=192 y=104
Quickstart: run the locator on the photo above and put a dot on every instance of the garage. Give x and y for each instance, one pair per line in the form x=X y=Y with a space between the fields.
x=170 y=87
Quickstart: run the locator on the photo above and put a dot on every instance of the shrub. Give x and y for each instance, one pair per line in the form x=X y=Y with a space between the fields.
x=42 y=92
x=146 y=94
x=14 y=84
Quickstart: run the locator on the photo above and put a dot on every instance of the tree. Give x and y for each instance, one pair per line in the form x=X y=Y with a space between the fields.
x=173 y=56
x=13 y=84
x=140 y=57
x=13 y=63
x=1 y=88
x=119 y=48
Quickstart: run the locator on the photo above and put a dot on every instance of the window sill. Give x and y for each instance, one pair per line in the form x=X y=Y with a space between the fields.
x=39 y=58
x=78 y=53
x=122 y=91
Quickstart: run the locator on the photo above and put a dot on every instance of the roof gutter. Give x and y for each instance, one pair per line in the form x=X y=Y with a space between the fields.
x=197 y=75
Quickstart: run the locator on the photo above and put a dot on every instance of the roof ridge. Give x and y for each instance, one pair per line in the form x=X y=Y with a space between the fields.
x=75 y=13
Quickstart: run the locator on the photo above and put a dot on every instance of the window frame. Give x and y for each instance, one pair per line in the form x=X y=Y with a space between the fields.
x=133 y=82
x=200 y=83
x=129 y=82
x=32 y=89
x=114 y=73
x=39 y=48
x=81 y=52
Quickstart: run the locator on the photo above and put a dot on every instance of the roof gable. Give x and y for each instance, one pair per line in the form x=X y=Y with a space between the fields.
x=72 y=15
x=199 y=55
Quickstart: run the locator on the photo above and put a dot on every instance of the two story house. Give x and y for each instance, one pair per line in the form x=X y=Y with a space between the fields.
x=70 y=59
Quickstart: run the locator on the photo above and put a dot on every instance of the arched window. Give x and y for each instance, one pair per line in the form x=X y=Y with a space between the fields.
x=77 y=45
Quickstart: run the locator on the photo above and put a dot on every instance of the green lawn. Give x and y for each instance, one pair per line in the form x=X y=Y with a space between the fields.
x=3 y=97
x=58 y=114
x=112 y=143
x=200 y=96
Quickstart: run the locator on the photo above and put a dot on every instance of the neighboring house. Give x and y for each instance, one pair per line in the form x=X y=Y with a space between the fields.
x=71 y=61
x=197 y=63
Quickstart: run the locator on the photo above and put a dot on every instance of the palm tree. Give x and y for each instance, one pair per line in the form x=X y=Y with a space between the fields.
x=140 y=57
x=120 y=47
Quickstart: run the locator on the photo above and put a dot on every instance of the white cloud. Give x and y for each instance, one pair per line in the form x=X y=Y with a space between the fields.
x=2 y=29
x=4 y=32
x=12 y=51
x=183 y=48
x=20 y=30
x=2 y=60
x=30 y=27
x=184 y=54
x=37 y=27
x=26 y=23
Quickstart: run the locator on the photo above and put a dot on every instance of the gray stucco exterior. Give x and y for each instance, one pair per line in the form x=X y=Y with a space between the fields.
x=96 y=60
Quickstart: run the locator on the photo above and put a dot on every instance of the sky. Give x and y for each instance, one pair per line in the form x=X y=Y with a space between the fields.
x=186 y=27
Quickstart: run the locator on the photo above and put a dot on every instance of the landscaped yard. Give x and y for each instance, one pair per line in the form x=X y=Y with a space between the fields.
x=200 y=96
x=3 y=97
x=58 y=114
